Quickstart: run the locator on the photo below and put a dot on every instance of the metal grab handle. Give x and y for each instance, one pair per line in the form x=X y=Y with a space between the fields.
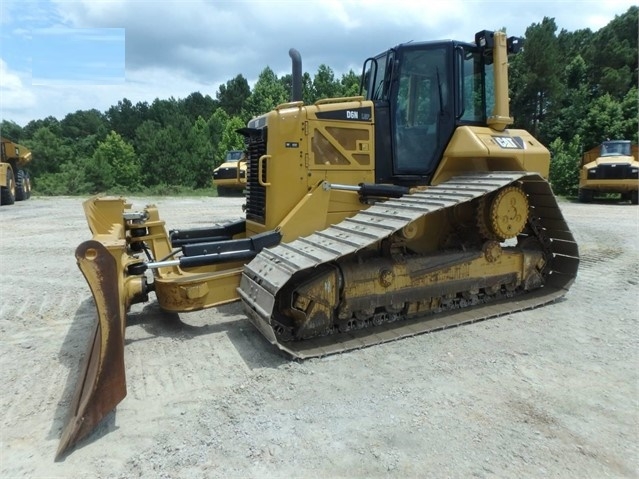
x=239 y=170
x=259 y=170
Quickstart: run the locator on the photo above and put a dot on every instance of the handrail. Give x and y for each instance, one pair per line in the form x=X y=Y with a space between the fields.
x=239 y=170
x=290 y=104
x=259 y=170
x=324 y=101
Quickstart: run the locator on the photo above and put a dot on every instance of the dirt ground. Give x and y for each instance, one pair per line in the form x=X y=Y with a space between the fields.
x=551 y=392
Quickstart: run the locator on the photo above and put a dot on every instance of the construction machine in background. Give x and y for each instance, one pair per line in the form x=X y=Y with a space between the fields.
x=408 y=209
x=230 y=176
x=15 y=183
x=612 y=167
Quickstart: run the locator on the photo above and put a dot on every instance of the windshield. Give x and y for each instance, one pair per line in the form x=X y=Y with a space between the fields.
x=234 y=155
x=615 y=148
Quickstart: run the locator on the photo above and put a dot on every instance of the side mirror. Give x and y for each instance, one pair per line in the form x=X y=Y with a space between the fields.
x=515 y=44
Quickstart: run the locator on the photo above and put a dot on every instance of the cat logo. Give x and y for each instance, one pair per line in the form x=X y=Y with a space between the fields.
x=507 y=142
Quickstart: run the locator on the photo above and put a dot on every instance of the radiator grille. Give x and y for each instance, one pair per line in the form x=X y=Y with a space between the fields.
x=227 y=173
x=256 y=193
x=612 y=172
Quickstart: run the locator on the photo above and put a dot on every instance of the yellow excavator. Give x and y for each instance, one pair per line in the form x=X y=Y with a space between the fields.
x=408 y=209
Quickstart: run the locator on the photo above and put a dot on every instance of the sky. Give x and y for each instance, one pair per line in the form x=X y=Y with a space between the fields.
x=60 y=56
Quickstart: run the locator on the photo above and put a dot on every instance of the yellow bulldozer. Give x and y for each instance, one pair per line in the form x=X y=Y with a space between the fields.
x=407 y=209
x=15 y=182
x=610 y=168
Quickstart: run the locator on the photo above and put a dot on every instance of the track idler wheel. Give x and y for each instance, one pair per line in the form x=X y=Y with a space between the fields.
x=504 y=214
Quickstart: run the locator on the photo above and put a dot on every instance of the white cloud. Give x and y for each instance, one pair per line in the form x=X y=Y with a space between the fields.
x=15 y=97
x=175 y=48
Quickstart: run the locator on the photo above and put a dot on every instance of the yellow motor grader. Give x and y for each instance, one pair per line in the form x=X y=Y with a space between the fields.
x=408 y=209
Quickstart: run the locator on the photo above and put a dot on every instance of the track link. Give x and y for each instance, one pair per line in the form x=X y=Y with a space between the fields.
x=266 y=275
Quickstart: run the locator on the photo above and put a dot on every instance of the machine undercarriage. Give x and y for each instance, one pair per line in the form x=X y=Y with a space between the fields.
x=362 y=282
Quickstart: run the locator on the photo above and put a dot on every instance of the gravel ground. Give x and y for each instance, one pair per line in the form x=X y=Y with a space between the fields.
x=545 y=393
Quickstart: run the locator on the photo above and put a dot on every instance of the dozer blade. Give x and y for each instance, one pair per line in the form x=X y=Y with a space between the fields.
x=101 y=383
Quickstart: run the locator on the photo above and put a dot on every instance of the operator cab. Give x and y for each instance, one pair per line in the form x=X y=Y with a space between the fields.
x=233 y=155
x=422 y=92
x=615 y=148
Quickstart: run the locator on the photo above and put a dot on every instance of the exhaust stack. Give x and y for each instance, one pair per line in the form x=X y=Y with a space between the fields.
x=296 y=87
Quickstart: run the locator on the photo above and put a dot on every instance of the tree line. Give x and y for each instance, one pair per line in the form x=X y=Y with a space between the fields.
x=161 y=147
x=571 y=90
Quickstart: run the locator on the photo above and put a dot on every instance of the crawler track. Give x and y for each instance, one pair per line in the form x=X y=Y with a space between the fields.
x=266 y=275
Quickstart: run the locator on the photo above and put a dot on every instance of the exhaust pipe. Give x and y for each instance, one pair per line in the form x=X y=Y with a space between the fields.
x=296 y=87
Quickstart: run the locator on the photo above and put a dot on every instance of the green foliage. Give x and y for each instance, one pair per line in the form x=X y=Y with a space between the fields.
x=324 y=84
x=603 y=120
x=176 y=190
x=571 y=106
x=612 y=55
x=197 y=105
x=49 y=151
x=630 y=118
x=50 y=122
x=11 y=130
x=231 y=140
x=268 y=92
x=307 y=88
x=125 y=117
x=167 y=113
x=99 y=174
x=233 y=96
x=216 y=125
x=564 y=166
x=201 y=155
x=536 y=74
x=175 y=154
x=70 y=180
x=350 y=84
x=114 y=164
x=164 y=153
